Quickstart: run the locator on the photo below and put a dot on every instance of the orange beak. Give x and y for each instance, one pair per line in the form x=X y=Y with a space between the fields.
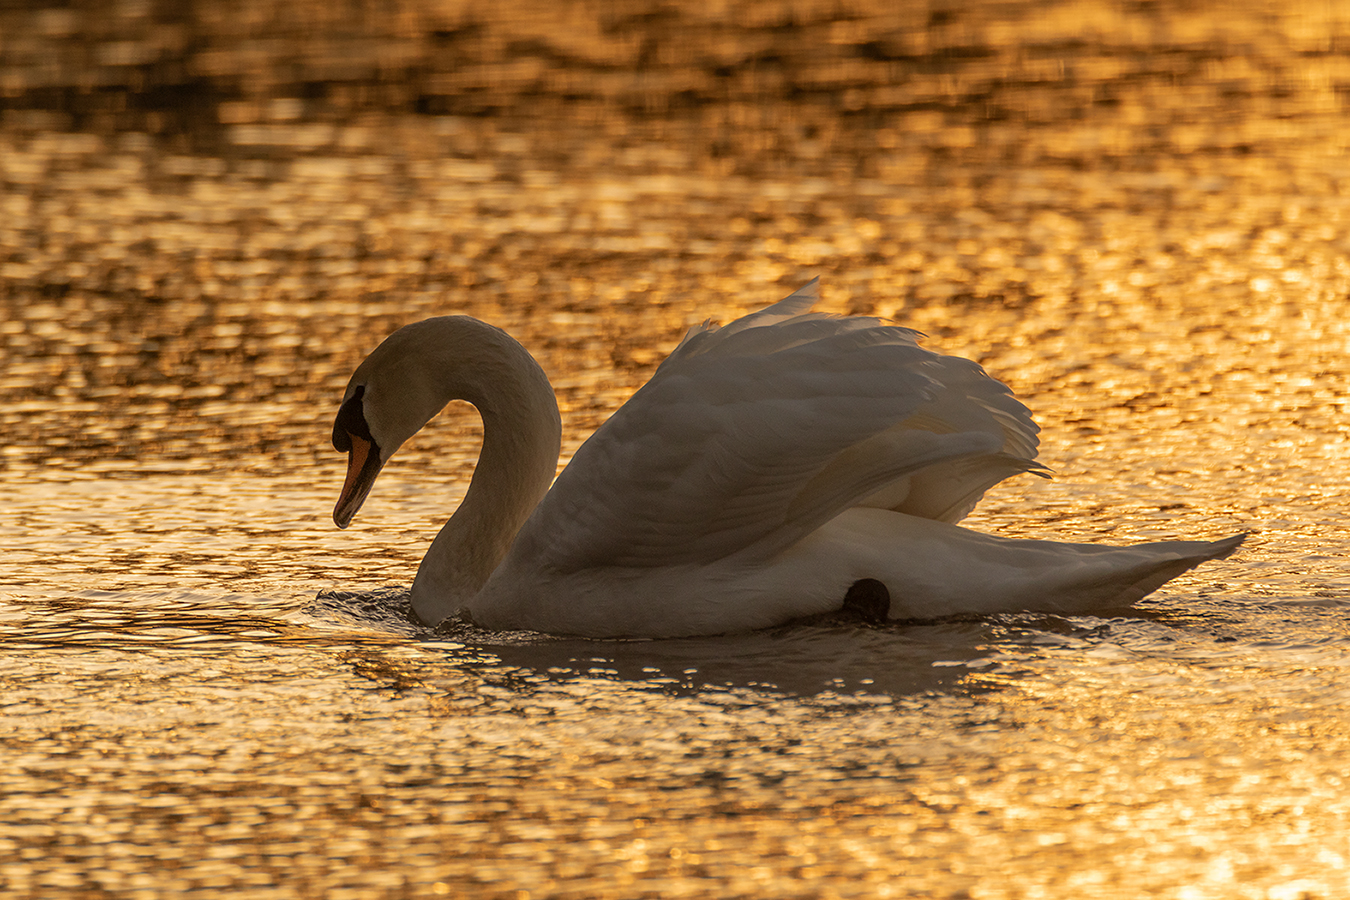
x=363 y=464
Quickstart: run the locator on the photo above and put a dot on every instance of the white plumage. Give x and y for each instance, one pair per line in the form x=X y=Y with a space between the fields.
x=766 y=467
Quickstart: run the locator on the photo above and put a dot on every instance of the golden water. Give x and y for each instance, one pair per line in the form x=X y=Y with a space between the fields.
x=1134 y=217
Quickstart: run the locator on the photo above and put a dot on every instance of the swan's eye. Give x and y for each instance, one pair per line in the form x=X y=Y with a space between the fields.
x=351 y=420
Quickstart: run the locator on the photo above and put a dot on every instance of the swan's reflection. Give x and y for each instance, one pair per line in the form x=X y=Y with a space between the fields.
x=800 y=660
x=807 y=659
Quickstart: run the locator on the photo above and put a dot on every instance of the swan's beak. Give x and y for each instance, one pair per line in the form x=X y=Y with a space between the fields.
x=363 y=464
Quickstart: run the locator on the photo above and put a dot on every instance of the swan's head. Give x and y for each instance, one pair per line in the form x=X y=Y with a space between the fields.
x=351 y=435
x=420 y=368
x=391 y=395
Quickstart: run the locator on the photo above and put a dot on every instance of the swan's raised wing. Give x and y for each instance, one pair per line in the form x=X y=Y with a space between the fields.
x=750 y=436
x=967 y=399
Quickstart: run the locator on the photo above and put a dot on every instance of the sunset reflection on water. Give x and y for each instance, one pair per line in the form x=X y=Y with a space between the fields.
x=1133 y=215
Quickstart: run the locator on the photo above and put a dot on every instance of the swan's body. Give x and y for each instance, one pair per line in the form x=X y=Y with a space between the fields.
x=765 y=468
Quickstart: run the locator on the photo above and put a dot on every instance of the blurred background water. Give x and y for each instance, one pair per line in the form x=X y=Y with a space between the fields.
x=1134 y=213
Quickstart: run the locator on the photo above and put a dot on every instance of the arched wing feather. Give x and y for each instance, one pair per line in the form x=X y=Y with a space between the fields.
x=968 y=400
x=750 y=436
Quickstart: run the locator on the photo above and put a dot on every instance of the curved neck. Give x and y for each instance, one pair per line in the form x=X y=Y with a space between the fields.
x=522 y=436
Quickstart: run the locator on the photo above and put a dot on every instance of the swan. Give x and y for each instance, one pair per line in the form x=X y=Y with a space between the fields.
x=770 y=469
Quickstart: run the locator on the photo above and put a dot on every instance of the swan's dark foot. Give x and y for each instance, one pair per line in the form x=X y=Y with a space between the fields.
x=869 y=600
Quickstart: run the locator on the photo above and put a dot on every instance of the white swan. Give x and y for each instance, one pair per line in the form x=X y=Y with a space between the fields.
x=767 y=467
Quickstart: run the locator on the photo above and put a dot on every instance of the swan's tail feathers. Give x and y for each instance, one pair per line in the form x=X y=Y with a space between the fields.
x=1190 y=554
x=1225 y=548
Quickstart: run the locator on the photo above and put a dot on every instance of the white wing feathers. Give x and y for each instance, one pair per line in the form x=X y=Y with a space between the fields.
x=751 y=436
x=797 y=303
x=967 y=400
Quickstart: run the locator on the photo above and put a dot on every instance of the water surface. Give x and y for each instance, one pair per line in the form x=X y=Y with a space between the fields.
x=1133 y=217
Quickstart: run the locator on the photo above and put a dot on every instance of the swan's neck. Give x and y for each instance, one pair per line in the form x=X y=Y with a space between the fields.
x=522 y=434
